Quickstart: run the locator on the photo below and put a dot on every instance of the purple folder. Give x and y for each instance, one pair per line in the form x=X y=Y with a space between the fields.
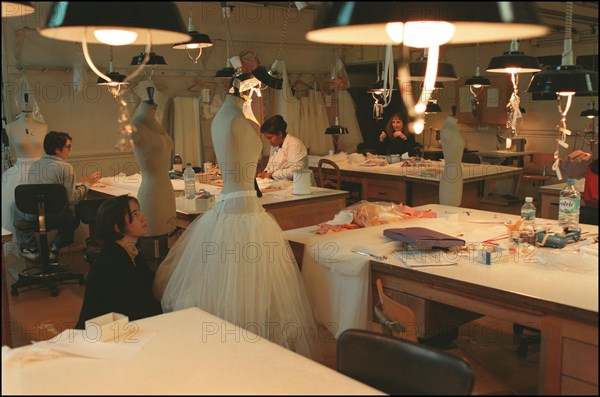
x=423 y=237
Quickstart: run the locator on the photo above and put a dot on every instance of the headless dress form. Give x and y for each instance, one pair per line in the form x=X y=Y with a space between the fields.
x=26 y=136
x=152 y=149
x=233 y=261
x=453 y=145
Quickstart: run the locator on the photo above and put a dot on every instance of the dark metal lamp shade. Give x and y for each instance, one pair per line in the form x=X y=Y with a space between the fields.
x=336 y=130
x=72 y=20
x=16 y=8
x=589 y=113
x=433 y=107
x=514 y=60
x=225 y=72
x=198 y=40
x=478 y=81
x=445 y=71
x=365 y=23
x=153 y=60
x=269 y=77
x=115 y=77
x=565 y=78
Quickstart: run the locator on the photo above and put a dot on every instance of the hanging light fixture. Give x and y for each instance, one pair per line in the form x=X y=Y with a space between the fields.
x=591 y=112
x=514 y=62
x=117 y=80
x=149 y=23
x=433 y=107
x=198 y=41
x=567 y=81
x=336 y=131
x=270 y=76
x=228 y=70
x=476 y=84
x=153 y=59
x=16 y=8
x=408 y=23
x=381 y=23
x=445 y=71
x=382 y=89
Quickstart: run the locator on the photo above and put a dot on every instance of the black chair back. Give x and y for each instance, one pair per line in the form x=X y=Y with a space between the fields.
x=52 y=196
x=399 y=367
x=87 y=210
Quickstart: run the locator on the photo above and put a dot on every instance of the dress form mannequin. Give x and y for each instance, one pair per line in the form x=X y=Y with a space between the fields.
x=453 y=145
x=26 y=137
x=152 y=149
x=233 y=261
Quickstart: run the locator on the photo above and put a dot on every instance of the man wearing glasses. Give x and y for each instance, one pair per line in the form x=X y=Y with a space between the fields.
x=53 y=168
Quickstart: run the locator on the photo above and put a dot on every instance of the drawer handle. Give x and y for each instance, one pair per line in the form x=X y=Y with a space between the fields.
x=382 y=193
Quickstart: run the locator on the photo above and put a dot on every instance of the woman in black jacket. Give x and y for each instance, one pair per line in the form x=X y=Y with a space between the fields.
x=119 y=280
x=396 y=139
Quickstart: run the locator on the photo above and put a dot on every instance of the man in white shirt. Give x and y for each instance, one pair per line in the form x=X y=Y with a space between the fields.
x=288 y=153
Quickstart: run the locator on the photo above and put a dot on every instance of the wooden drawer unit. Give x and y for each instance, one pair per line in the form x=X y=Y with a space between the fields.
x=386 y=191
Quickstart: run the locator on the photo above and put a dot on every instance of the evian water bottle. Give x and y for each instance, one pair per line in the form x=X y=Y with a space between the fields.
x=568 y=206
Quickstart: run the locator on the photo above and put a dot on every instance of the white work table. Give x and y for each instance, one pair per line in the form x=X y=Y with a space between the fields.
x=290 y=210
x=188 y=352
x=554 y=289
x=416 y=184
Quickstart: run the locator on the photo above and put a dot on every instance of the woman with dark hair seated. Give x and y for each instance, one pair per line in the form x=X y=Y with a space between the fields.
x=119 y=280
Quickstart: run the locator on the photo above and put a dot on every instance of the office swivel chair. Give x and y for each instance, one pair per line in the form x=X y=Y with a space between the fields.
x=399 y=367
x=87 y=210
x=40 y=200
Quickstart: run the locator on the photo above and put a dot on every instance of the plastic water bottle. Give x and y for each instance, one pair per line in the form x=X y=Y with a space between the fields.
x=568 y=206
x=189 y=178
x=528 y=212
x=177 y=163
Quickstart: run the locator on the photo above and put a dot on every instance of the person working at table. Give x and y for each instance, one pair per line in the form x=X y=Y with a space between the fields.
x=396 y=139
x=288 y=153
x=54 y=168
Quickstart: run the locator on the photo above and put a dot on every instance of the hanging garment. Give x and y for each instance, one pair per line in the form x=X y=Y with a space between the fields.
x=347 y=117
x=187 y=132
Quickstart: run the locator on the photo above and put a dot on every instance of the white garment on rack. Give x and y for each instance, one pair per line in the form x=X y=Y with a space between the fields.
x=287 y=105
x=347 y=118
x=318 y=123
x=187 y=132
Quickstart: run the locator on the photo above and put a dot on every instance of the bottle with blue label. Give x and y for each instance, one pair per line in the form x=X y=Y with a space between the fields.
x=528 y=212
x=568 y=207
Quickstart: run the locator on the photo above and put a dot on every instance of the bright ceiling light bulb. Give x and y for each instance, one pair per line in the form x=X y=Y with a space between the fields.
x=566 y=93
x=420 y=107
x=395 y=31
x=418 y=126
x=115 y=36
x=512 y=70
x=476 y=85
x=192 y=46
x=428 y=34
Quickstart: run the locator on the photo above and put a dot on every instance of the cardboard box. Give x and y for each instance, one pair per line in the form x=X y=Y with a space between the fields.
x=205 y=203
x=111 y=327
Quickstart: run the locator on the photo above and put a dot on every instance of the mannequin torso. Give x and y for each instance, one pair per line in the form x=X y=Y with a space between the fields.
x=237 y=145
x=453 y=145
x=26 y=136
x=152 y=149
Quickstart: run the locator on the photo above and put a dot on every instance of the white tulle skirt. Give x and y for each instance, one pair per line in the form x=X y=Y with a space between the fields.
x=233 y=262
x=11 y=178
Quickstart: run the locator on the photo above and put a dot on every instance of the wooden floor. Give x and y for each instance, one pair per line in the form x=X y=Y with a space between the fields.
x=35 y=316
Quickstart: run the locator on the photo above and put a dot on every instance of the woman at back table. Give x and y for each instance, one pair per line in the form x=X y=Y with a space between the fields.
x=152 y=149
x=26 y=136
x=396 y=139
x=233 y=261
